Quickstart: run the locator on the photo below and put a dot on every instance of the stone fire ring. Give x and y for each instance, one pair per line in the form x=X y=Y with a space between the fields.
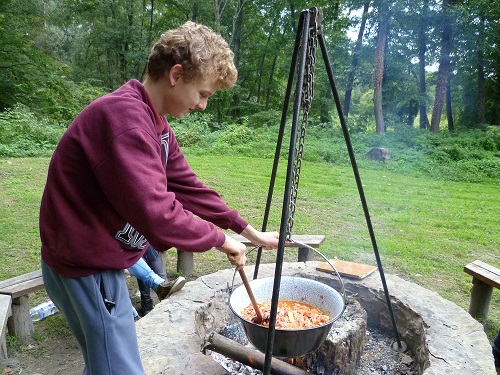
x=444 y=338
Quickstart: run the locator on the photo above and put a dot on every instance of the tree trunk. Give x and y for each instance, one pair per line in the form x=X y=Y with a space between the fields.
x=422 y=48
x=269 y=85
x=150 y=34
x=196 y=12
x=355 y=58
x=378 y=70
x=444 y=64
x=449 y=113
x=481 y=100
x=238 y=23
x=263 y=58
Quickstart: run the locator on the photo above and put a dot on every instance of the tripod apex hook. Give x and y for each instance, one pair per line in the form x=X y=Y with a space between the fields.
x=317 y=15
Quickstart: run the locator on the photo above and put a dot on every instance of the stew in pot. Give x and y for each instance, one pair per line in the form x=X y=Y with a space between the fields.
x=291 y=315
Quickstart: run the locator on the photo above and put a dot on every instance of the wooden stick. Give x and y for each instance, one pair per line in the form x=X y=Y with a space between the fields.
x=249 y=357
x=243 y=276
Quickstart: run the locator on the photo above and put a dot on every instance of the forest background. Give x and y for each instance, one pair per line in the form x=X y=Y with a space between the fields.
x=420 y=78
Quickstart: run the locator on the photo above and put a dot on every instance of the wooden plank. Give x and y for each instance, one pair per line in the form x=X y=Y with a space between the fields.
x=347 y=269
x=487 y=267
x=312 y=240
x=484 y=272
x=21 y=285
x=20 y=278
x=5 y=313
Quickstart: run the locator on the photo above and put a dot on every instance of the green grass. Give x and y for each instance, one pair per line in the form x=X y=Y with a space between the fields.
x=426 y=229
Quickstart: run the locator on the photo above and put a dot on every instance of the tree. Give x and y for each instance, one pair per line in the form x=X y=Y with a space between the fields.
x=422 y=48
x=444 y=63
x=355 y=59
x=378 y=68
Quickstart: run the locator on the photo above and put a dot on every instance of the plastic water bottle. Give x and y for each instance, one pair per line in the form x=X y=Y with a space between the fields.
x=42 y=311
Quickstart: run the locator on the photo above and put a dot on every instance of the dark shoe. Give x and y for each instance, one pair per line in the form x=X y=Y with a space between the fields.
x=146 y=307
x=496 y=357
x=167 y=288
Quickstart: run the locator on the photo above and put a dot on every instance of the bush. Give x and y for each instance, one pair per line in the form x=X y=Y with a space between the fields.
x=192 y=129
x=23 y=134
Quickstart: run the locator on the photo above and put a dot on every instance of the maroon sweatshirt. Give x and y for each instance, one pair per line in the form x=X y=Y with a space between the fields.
x=118 y=180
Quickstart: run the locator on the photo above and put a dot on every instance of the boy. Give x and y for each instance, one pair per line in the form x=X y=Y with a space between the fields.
x=118 y=182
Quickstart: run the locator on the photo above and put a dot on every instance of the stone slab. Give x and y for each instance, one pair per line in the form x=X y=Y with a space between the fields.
x=444 y=337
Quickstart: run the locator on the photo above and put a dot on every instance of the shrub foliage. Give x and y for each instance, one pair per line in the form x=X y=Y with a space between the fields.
x=467 y=155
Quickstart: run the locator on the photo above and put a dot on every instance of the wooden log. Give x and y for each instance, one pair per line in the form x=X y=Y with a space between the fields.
x=20 y=323
x=185 y=262
x=249 y=357
x=480 y=298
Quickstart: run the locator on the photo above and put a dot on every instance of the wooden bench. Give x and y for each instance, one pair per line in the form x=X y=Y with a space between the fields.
x=484 y=279
x=18 y=288
x=185 y=262
x=5 y=313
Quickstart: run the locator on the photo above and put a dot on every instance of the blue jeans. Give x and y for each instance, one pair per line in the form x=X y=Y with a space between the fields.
x=143 y=272
x=154 y=260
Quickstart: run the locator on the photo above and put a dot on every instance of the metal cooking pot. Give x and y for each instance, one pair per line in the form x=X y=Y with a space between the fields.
x=289 y=343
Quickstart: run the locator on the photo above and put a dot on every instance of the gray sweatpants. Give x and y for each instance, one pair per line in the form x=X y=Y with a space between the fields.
x=99 y=312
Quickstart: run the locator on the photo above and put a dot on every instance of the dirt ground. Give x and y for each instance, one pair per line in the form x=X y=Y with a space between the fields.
x=46 y=353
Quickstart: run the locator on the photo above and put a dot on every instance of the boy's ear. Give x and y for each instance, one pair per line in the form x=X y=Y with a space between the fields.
x=175 y=74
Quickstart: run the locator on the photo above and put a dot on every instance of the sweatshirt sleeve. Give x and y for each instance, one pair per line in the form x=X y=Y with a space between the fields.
x=133 y=179
x=195 y=195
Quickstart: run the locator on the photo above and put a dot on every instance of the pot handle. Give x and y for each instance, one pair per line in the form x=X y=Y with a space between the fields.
x=309 y=248
x=327 y=261
x=231 y=288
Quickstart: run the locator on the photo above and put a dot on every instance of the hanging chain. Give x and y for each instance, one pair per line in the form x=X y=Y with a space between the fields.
x=307 y=97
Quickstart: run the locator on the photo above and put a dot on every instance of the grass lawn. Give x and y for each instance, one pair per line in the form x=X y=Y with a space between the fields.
x=426 y=229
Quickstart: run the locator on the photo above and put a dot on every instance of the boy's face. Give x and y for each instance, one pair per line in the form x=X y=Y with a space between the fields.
x=188 y=96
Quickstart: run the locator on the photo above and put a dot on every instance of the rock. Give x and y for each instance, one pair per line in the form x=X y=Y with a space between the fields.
x=379 y=154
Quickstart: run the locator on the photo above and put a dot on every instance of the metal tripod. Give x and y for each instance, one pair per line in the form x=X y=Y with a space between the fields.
x=309 y=33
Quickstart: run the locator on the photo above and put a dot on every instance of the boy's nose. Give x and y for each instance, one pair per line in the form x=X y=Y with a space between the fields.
x=202 y=105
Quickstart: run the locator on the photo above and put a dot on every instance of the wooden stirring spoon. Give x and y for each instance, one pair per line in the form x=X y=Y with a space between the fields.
x=243 y=276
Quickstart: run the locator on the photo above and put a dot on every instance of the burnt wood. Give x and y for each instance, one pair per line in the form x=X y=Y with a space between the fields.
x=249 y=357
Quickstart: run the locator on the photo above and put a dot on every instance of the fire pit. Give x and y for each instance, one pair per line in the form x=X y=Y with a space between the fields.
x=340 y=351
x=443 y=338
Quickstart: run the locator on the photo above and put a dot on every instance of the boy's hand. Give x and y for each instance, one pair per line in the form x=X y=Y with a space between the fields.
x=235 y=252
x=266 y=240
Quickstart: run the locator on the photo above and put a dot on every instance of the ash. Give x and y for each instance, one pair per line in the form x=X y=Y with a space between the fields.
x=379 y=358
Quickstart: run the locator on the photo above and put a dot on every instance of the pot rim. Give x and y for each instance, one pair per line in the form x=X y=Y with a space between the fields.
x=330 y=322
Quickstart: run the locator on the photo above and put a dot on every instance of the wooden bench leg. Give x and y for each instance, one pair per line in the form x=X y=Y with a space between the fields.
x=481 y=294
x=20 y=323
x=304 y=254
x=185 y=262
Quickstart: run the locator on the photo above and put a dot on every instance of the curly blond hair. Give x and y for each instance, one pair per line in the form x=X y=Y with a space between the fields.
x=203 y=54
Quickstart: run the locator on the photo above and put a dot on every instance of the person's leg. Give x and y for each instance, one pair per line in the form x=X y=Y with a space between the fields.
x=155 y=260
x=143 y=272
x=496 y=351
x=98 y=311
x=162 y=288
